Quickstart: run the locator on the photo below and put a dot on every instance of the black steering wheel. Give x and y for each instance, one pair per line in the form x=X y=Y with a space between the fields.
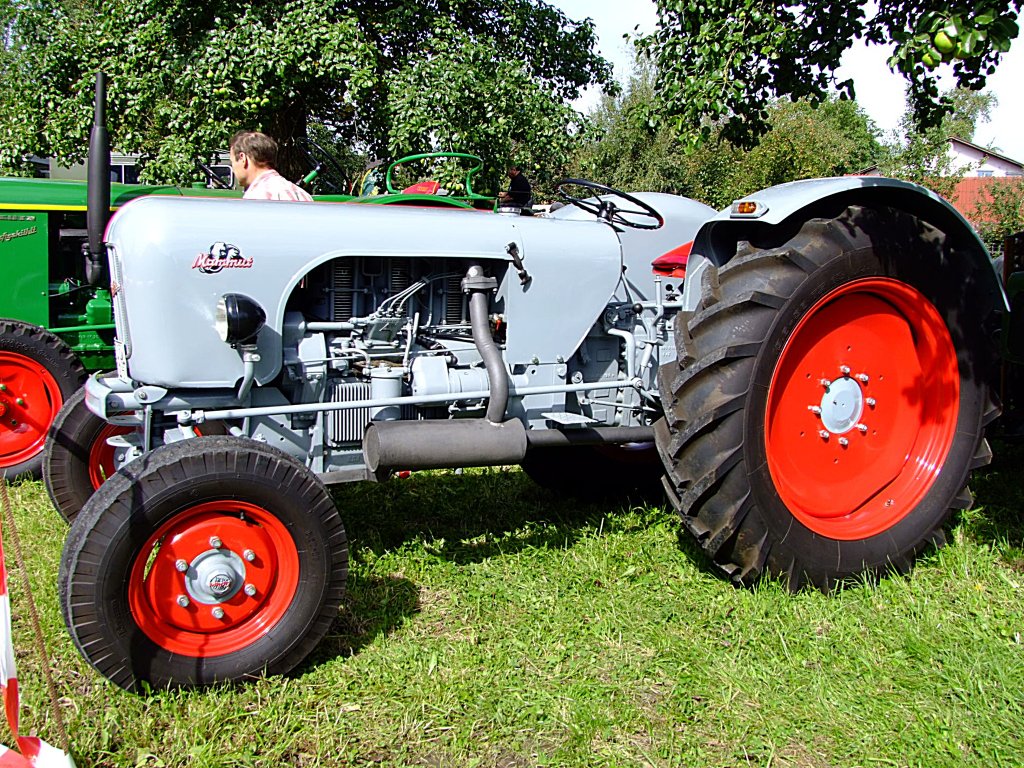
x=607 y=210
x=213 y=180
x=318 y=157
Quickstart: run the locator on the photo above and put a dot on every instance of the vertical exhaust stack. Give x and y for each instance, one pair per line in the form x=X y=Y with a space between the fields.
x=98 y=202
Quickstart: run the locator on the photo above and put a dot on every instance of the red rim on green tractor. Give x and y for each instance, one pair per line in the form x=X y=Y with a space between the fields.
x=214 y=579
x=29 y=400
x=862 y=408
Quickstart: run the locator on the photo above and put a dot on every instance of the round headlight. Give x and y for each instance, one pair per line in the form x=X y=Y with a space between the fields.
x=238 y=319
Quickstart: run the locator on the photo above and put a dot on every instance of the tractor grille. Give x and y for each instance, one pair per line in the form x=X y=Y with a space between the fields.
x=453 y=312
x=343 y=283
x=347 y=426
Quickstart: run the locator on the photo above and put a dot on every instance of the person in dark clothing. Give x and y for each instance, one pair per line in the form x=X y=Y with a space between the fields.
x=519 y=191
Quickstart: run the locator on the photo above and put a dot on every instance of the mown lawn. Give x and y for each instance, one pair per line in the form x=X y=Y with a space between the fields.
x=489 y=624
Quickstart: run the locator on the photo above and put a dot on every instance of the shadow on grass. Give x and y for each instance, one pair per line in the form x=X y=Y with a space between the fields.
x=464 y=518
x=999 y=491
x=373 y=608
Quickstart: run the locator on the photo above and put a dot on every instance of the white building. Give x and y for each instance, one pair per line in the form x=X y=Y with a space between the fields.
x=974 y=160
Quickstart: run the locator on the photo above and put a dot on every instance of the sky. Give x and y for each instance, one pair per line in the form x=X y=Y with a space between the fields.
x=879 y=91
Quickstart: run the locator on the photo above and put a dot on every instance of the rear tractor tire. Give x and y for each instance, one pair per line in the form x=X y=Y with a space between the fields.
x=829 y=399
x=209 y=560
x=38 y=372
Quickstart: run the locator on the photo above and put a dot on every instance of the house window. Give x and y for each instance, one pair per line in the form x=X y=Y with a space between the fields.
x=984 y=173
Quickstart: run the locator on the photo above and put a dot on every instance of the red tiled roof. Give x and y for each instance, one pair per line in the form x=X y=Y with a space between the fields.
x=973 y=190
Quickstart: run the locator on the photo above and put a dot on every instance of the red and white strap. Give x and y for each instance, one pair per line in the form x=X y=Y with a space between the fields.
x=34 y=751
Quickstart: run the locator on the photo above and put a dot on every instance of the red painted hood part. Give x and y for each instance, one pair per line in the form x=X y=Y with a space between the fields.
x=673 y=263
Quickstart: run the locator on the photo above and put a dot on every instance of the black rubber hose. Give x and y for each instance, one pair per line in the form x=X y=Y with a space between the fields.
x=496 y=373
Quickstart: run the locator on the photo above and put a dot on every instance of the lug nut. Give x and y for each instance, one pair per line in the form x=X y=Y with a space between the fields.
x=825 y=383
x=871 y=402
x=20 y=401
x=844 y=369
x=843 y=442
x=181 y=565
x=183 y=601
x=215 y=542
x=3 y=387
x=249 y=555
x=250 y=590
x=814 y=409
x=218 y=612
x=862 y=378
x=824 y=434
x=862 y=428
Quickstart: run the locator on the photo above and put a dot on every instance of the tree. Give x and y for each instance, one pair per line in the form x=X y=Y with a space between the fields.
x=923 y=156
x=185 y=75
x=631 y=149
x=1000 y=213
x=728 y=59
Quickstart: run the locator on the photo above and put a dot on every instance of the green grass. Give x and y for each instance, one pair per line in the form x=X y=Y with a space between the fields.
x=489 y=624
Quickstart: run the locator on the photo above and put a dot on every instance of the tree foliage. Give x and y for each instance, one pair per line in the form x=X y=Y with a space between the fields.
x=1000 y=212
x=390 y=76
x=630 y=148
x=726 y=60
x=923 y=156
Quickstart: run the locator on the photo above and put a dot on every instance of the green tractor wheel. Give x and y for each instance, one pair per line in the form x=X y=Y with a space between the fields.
x=38 y=372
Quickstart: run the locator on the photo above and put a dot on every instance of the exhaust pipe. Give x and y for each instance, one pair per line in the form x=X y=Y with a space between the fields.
x=98 y=195
x=438 y=444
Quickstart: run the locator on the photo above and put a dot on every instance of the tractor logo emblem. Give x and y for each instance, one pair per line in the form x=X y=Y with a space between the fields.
x=221 y=256
x=220 y=584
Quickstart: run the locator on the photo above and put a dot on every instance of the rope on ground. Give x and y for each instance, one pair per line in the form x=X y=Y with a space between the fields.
x=44 y=658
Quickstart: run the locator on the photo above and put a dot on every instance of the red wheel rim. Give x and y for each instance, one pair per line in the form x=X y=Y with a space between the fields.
x=29 y=401
x=862 y=409
x=197 y=599
x=101 y=455
x=102 y=462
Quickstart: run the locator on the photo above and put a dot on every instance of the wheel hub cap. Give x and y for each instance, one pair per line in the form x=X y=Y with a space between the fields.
x=29 y=400
x=842 y=406
x=215 y=576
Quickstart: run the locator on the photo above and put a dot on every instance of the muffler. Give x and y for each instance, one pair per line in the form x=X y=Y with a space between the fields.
x=441 y=444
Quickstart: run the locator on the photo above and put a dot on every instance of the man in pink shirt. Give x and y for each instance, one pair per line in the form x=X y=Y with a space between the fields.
x=253 y=157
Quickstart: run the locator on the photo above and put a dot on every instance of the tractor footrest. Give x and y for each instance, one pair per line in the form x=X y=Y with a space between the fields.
x=561 y=417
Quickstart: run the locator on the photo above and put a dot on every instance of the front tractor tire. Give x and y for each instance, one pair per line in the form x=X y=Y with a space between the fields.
x=38 y=372
x=209 y=560
x=828 y=400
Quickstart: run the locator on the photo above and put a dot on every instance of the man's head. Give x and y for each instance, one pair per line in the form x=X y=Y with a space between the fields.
x=513 y=171
x=252 y=153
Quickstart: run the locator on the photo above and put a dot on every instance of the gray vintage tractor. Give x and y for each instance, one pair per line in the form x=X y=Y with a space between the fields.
x=808 y=369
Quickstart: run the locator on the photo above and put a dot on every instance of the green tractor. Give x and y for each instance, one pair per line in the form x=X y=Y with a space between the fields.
x=56 y=322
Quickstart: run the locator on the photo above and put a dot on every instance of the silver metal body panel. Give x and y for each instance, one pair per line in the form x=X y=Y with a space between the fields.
x=170 y=301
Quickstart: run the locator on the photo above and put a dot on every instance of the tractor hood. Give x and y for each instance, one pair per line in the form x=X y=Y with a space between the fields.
x=173 y=259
